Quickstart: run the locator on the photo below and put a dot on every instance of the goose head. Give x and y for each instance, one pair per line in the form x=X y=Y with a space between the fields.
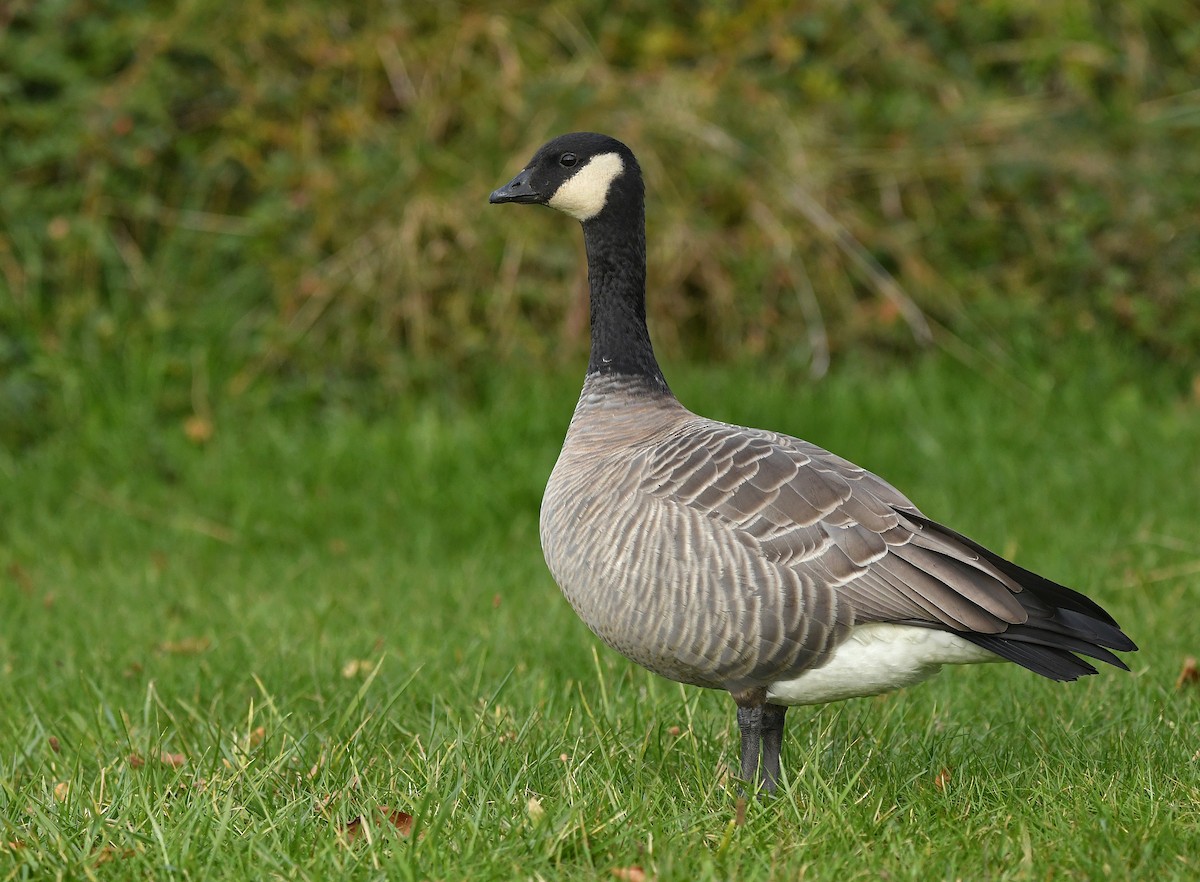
x=583 y=174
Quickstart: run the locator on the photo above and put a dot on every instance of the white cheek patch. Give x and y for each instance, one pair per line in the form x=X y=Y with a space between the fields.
x=583 y=194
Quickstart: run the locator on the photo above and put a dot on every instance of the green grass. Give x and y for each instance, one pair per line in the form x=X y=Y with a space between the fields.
x=324 y=613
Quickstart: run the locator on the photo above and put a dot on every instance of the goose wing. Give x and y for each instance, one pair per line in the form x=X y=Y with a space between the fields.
x=865 y=552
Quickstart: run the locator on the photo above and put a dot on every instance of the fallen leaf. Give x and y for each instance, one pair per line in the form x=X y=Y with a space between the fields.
x=941 y=779
x=495 y=601
x=198 y=429
x=174 y=760
x=1189 y=673
x=21 y=576
x=740 y=819
x=400 y=821
x=54 y=745
x=136 y=761
x=353 y=829
x=108 y=853
x=58 y=228
x=186 y=646
x=14 y=844
x=674 y=731
x=61 y=790
x=257 y=736
x=630 y=874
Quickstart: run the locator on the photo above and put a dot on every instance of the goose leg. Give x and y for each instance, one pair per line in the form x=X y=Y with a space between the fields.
x=772 y=743
x=750 y=721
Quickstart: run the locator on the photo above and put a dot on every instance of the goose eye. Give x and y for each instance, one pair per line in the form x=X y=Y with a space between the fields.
x=567 y=160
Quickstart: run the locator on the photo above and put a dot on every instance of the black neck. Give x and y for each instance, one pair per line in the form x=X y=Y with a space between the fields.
x=616 y=254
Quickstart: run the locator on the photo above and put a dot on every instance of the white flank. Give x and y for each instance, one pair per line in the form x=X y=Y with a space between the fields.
x=878 y=658
x=584 y=193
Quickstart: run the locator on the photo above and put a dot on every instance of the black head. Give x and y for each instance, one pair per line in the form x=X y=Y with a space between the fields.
x=579 y=174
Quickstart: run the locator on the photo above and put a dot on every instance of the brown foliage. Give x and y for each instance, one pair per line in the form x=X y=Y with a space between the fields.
x=307 y=183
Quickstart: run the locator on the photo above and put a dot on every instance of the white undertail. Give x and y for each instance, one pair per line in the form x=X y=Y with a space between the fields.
x=878 y=658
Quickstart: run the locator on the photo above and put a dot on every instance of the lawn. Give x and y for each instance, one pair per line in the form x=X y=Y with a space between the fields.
x=257 y=651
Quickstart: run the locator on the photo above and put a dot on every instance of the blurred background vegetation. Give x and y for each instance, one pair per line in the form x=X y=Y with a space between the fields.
x=204 y=202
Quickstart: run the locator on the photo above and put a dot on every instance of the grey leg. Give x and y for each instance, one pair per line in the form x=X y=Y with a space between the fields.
x=750 y=720
x=772 y=743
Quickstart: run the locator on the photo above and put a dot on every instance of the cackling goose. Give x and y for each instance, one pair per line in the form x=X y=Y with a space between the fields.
x=747 y=560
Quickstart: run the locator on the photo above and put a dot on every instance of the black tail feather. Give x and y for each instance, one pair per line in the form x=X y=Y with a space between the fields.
x=1037 y=636
x=1049 y=661
x=1060 y=621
